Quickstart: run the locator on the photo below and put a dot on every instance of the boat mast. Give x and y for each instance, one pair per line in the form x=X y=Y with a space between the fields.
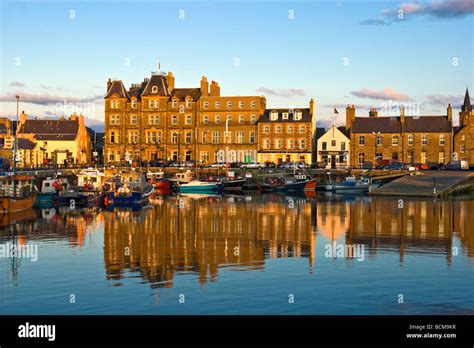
x=227 y=148
x=15 y=145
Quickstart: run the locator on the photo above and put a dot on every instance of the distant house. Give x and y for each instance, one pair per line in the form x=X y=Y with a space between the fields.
x=334 y=148
x=97 y=145
x=57 y=140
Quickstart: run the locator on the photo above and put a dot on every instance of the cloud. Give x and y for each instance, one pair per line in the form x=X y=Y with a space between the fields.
x=17 y=84
x=385 y=94
x=47 y=99
x=290 y=92
x=46 y=87
x=440 y=99
x=440 y=9
x=374 y=22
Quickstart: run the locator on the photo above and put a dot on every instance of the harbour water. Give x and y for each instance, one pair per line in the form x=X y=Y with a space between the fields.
x=243 y=254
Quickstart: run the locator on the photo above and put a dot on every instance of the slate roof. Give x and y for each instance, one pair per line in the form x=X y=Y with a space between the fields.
x=23 y=144
x=182 y=93
x=160 y=82
x=3 y=129
x=466 y=106
x=118 y=88
x=51 y=129
x=387 y=124
x=305 y=117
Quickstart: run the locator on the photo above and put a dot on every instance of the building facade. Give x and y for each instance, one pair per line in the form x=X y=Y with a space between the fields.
x=464 y=134
x=286 y=135
x=411 y=139
x=155 y=120
x=334 y=148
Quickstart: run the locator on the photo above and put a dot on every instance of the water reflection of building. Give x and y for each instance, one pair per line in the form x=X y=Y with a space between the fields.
x=418 y=226
x=204 y=235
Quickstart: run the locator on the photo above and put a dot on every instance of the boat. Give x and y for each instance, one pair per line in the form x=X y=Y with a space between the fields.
x=229 y=183
x=128 y=190
x=49 y=189
x=17 y=193
x=197 y=186
x=89 y=189
x=182 y=178
x=351 y=185
x=288 y=184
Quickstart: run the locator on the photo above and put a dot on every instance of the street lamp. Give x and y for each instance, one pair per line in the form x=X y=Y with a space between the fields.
x=179 y=148
x=376 y=135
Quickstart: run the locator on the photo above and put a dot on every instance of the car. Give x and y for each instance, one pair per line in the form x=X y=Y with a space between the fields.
x=269 y=164
x=219 y=165
x=253 y=165
x=393 y=165
x=294 y=165
x=421 y=166
x=318 y=165
x=454 y=165
x=157 y=163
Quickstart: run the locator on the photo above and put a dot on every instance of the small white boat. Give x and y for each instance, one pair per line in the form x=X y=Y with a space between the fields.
x=351 y=184
x=197 y=186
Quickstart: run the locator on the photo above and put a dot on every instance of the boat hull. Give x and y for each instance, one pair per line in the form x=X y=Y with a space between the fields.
x=213 y=188
x=81 y=199
x=129 y=200
x=308 y=185
x=45 y=199
x=12 y=205
x=234 y=185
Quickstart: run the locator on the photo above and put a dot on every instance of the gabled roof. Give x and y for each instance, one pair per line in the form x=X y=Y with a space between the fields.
x=305 y=117
x=319 y=132
x=160 y=82
x=51 y=129
x=23 y=144
x=392 y=124
x=182 y=93
x=466 y=106
x=117 y=88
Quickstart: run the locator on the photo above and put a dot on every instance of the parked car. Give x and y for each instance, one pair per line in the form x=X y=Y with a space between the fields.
x=454 y=165
x=220 y=165
x=293 y=165
x=393 y=165
x=318 y=165
x=157 y=163
x=269 y=164
x=421 y=166
x=253 y=165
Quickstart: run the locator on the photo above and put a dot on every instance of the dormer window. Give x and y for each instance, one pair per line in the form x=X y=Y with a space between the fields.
x=188 y=102
x=298 y=115
x=284 y=116
x=175 y=103
x=134 y=104
x=154 y=89
x=274 y=115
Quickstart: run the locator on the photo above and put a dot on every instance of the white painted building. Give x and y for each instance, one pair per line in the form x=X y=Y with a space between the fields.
x=333 y=148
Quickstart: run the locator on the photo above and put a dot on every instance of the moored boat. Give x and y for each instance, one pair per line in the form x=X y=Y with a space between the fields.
x=296 y=183
x=197 y=186
x=17 y=193
x=130 y=191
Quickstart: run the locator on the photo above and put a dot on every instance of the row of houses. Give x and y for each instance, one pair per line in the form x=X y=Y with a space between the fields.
x=155 y=120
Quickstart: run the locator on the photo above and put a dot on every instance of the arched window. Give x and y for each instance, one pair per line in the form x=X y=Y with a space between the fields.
x=273 y=115
x=154 y=89
x=361 y=158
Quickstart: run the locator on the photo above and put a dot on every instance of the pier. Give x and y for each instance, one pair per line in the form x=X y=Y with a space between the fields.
x=428 y=184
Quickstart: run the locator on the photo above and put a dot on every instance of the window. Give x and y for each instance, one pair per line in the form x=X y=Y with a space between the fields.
x=218 y=119
x=241 y=118
x=229 y=104
x=239 y=137
x=277 y=143
x=302 y=129
x=175 y=103
x=361 y=158
x=241 y=104
x=187 y=138
x=216 y=137
x=174 y=137
x=290 y=129
x=325 y=146
x=442 y=140
x=266 y=129
x=462 y=148
x=361 y=140
x=441 y=157
x=278 y=129
x=188 y=103
x=154 y=89
x=188 y=119
x=158 y=137
x=174 y=120
x=112 y=137
x=343 y=146
x=218 y=105
x=253 y=118
x=133 y=137
x=153 y=119
x=134 y=104
x=333 y=143
x=424 y=140
x=254 y=104
x=204 y=156
x=273 y=116
x=205 y=119
x=378 y=156
x=290 y=144
x=302 y=144
x=204 y=137
x=298 y=115
x=410 y=157
x=379 y=140
x=151 y=103
x=463 y=137
x=151 y=137
x=266 y=144
x=423 y=157
x=205 y=105
x=133 y=119
x=410 y=139
x=284 y=116
x=114 y=104
x=251 y=137
x=229 y=118
x=395 y=156
x=395 y=140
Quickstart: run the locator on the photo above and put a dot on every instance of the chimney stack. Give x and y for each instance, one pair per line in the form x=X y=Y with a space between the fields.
x=350 y=116
x=402 y=114
x=204 y=86
x=449 y=113
x=215 y=89
x=373 y=112
x=109 y=83
x=170 y=80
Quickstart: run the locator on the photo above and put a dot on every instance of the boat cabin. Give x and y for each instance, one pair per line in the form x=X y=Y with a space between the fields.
x=16 y=186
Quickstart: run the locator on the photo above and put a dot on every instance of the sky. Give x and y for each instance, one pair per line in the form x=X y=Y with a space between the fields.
x=58 y=55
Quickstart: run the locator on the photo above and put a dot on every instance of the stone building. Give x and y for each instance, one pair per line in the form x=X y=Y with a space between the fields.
x=412 y=139
x=286 y=135
x=464 y=134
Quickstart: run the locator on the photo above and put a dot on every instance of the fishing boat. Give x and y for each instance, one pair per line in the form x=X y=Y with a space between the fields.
x=182 y=178
x=197 y=186
x=49 y=189
x=351 y=185
x=17 y=193
x=288 y=184
x=158 y=181
x=89 y=189
x=229 y=183
x=128 y=190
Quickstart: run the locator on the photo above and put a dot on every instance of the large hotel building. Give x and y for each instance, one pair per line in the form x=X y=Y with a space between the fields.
x=154 y=120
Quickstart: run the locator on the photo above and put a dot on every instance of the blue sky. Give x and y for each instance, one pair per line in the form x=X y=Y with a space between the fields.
x=337 y=52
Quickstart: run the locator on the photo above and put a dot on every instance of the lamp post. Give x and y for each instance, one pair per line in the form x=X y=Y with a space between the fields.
x=227 y=148
x=179 y=148
x=376 y=135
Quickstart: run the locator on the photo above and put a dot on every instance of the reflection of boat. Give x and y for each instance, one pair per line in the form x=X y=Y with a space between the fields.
x=197 y=186
x=8 y=219
x=16 y=193
x=81 y=198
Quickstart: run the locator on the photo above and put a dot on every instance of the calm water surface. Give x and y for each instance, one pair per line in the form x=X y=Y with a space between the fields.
x=244 y=255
